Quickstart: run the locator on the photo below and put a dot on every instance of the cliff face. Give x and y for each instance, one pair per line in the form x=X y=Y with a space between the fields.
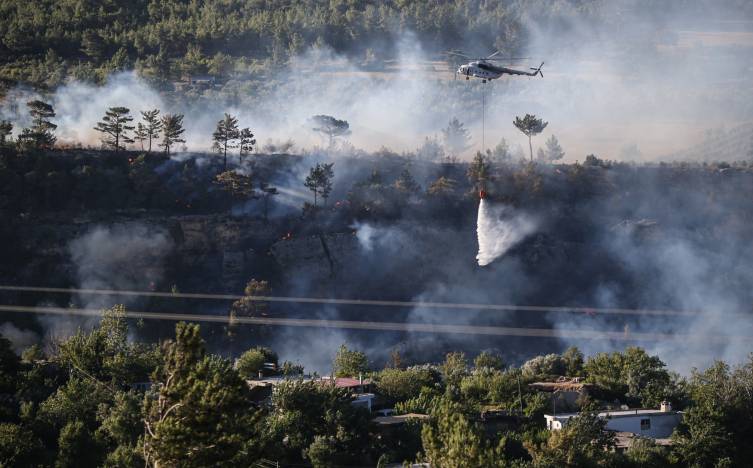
x=218 y=250
x=209 y=252
x=321 y=256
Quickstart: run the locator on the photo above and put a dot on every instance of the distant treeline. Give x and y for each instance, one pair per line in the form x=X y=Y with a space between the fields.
x=43 y=42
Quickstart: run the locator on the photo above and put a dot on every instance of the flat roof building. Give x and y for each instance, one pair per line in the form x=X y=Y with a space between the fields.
x=652 y=423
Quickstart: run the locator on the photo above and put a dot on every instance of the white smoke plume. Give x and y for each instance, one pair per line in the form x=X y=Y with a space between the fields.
x=20 y=339
x=123 y=256
x=499 y=229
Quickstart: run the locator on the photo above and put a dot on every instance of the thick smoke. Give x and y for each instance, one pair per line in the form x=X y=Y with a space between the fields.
x=498 y=230
x=678 y=272
x=123 y=256
x=19 y=339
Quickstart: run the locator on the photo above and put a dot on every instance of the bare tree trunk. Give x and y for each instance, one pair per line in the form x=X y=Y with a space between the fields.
x=530 y=147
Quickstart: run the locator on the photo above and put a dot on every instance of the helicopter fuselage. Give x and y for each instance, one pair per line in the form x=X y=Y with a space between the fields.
x=487 y=71
x=480 y=70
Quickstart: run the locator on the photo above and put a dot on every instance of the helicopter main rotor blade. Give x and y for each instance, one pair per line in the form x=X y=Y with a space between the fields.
x=506 y=59
x=460 y=55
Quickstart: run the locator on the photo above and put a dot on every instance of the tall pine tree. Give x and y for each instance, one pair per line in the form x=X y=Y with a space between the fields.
x=172 y=131
x=114 y=127
x=202 y=414
x=40 y=134
x=152 y=125
x=225 y=135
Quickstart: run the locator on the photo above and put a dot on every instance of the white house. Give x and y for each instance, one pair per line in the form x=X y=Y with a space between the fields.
x=363 y=400
x=653 y=423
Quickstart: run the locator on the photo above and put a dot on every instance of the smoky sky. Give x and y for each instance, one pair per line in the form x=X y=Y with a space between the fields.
x=622 y=80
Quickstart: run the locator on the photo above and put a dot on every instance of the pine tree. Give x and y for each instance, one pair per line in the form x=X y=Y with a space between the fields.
x=40 y=135
x=406 y=183
x=225 y=135
x=319 y=180
x=456 y=137
x=451 y=439
x=554 y=151
x=246 y=143
x=330 y=126
x=442 y=186
x=530 y=126
x=6 y=128
x=202 y=414
x=500 y=153
x=153 y=125
x=172 y=129
x=478 y=171
x=140 y=134
x=114 y=126
x=349 y=362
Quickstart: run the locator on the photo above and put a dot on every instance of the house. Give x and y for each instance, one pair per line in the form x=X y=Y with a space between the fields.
x=363 y=400
x=565 y=393
x=495 y=419
x=188 y=82
x=202 y=80
x=651 y=423
x=261 y=388
x=355 y=385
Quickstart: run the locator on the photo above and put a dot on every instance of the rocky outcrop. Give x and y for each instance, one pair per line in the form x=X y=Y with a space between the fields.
x=321 y=256
x=222 y=249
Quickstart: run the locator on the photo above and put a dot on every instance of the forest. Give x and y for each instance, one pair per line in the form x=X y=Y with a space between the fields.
x=44 y=42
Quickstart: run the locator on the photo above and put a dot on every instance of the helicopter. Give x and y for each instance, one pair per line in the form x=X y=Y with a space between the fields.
x=482 y=68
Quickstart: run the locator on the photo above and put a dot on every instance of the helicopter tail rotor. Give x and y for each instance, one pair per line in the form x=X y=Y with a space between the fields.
x=537 y=71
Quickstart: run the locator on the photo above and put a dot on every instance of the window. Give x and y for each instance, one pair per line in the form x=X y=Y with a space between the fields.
x=645 y=424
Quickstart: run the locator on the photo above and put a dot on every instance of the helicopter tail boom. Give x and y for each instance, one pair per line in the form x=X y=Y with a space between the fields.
x=537 y=71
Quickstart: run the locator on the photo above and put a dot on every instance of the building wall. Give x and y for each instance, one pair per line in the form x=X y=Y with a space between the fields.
x=660 y=425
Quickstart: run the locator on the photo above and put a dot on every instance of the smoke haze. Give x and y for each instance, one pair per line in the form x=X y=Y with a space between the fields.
x=623 y=81
x=629 y=80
